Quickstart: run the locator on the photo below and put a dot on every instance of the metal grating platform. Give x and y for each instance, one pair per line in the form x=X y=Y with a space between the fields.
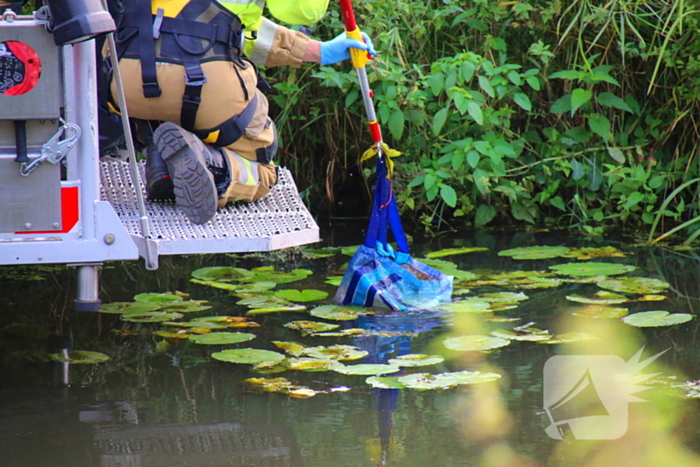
x=279 y=220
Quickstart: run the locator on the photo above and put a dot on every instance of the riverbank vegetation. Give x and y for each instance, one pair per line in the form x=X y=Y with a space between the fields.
x=570 y=114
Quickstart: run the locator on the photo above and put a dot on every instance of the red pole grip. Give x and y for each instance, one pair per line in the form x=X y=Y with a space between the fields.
x=348 y=15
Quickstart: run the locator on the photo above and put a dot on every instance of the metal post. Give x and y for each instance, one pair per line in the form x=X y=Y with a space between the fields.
x=84 y=113
x=88 y=293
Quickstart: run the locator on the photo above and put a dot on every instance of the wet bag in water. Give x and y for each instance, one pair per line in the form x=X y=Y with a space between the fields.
x=378 y=275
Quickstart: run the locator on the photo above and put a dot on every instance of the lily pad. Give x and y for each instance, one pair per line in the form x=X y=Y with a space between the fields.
x=128 y=307
x=600 y=298
x=196 y=323
x=151 y=317
x=320 y=252
x=180 y=334
x=416 y=360
x=339 y=313
x=527 y=336
x=592 y=269
x=535 y=252
x=426 y=381
x=221 y=274
x=248 y=356
x=333 y=280
x=216 y=285
x=469 y=305
x=311 y=326
x=79 y=357
x=228 y=321
x=385 y=382
x=449 y=268
x=638 y=285
x=282 y=386
x=350 y=250
x=292 y=348
x=157 y=298
x=502 y=297
x=269 y=274
x=263 y=301
x=584 y=254
x=368 y=369
x=312 y=364
x=275 y=309
x=335 y=352
x=222 y=338
x=649 y=319
x=474 y=342
x=600 y=312
x=570 y=337
x=454 y=251
x=255 y=288
x=306 y=295
x=186 y=306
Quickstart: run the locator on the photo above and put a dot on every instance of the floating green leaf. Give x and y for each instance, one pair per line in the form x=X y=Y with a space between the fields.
x=536 y=336
x=313 y=364
x=335 y=352
x=79 y=357
x=592 y=269
x=275 y=309
x=426 y=381
x=449 y=268
x=320 y=252
x=255 y=288
x=570 y=337
x=333 y=280
x=368 y=369
x=311 y=326
x=221 y=274
x=502 y=297
x=339 y=313
x=469 y=305
x=151 y=317
x=181 y=334
x=535 y=252
x=263 y=301
x=454 y=251
x=292 y=348
x=222 y=338
x=157 y=298
x=186 y=306
x=216 y=285
x=600 y=312
x=416 y=360
x=269 y=274
x=248 y=356
x=638 y=285
x=128 y=307
x=474 y=342
x=306 y=295
x=600 y=298
x=196 y=323
x=584 y=254
x=350 y=250
x=649 y=319
x=385 y=382
x=281 y=385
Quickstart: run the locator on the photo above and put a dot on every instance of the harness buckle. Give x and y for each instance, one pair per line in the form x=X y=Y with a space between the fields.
x=195 y=81
x=151 y=90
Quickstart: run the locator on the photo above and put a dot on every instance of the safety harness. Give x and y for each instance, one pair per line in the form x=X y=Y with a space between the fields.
x=202 y=31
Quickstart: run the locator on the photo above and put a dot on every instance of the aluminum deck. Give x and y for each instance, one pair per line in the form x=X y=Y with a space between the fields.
x=279 y=220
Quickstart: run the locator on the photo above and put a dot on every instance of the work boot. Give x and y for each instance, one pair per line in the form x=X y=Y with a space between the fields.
x=159 y=185
x=187 y=158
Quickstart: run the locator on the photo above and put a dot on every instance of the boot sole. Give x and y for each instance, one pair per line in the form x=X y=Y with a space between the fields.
x=193 y=183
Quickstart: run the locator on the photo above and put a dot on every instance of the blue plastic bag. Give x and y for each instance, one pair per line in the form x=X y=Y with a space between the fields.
x=378 y=275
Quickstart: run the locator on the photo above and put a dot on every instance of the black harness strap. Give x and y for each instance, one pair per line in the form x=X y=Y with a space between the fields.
x=147 y=50
x=194 y=80
x=232 y=129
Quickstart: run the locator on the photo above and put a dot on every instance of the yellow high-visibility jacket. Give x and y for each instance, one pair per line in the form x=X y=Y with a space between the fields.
x=270 y=44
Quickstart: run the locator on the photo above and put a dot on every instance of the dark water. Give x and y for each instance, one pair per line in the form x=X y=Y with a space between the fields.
x=154 y=406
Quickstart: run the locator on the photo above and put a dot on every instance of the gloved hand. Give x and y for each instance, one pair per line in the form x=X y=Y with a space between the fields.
x=337 y=50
